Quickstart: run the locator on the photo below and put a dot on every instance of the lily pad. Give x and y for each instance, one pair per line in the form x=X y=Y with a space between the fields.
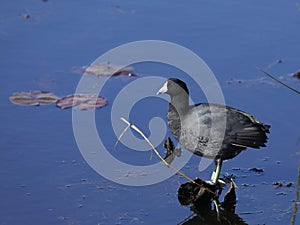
x=108 y=69
x=34 y=98
x=82 y=101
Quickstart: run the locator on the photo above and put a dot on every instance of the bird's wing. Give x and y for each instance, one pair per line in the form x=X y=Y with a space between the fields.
x=242 y=129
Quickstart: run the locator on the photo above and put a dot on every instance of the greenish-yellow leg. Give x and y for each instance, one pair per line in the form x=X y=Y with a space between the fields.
x=215 y=175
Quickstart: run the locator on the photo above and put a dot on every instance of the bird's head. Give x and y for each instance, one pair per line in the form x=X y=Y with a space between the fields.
x=173 y=87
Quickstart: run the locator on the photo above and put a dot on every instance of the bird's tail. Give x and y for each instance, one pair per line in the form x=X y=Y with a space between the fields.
x=254 y=136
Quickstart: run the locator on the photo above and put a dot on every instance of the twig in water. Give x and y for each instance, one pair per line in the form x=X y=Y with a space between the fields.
x=133 y=126
x=121 y=135
x=272 y=77
x=155 y=151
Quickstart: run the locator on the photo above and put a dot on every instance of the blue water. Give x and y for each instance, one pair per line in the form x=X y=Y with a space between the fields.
x=44 y=178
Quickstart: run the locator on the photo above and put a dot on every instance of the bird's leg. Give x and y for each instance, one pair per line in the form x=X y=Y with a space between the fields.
x=216 y=173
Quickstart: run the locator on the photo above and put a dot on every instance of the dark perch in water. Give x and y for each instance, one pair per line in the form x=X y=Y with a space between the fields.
x=198 y=196
x=211 y=130
x=198 y=193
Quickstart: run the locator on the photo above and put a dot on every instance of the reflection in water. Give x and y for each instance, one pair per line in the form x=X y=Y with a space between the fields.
x=212 y=217
x=200 y=195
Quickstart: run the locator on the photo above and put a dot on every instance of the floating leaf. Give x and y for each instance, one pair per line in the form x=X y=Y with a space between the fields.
x=25 y=16
x=256 y=170
x=82 y=101
x=108 y=69
x=279 y=184
x=33 y=98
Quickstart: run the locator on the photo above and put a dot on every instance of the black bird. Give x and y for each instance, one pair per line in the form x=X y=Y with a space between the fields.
x=211 y=130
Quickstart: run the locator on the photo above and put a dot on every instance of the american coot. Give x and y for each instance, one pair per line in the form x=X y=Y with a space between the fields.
x=211 y=130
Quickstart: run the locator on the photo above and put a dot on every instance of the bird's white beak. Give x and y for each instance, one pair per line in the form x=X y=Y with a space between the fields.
x=164 y=89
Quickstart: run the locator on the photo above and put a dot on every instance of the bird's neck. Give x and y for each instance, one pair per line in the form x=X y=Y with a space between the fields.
x=180 y=103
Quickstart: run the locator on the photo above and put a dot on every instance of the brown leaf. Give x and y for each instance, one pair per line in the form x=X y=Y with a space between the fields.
x=82 y=101
x=33 y=98
x=108 y=69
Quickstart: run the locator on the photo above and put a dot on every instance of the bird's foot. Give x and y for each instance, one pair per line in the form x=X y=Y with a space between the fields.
x=219 y=182
x=171 y=151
